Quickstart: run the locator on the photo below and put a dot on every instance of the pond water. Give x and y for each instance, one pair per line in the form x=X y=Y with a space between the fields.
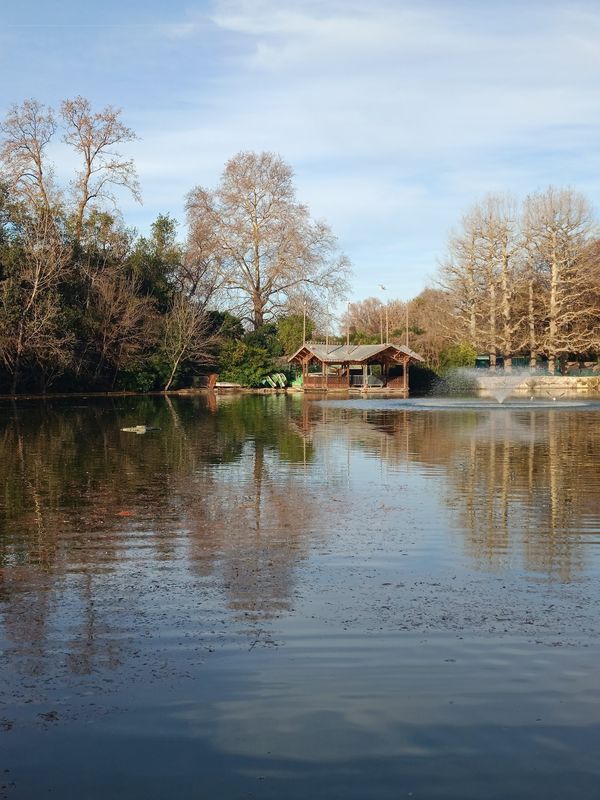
x=273 y=597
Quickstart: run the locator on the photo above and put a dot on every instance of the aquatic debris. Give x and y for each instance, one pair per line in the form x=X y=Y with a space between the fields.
x=140 y=429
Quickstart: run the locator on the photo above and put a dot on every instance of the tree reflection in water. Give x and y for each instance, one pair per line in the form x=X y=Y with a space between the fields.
x=520 y=483
x=405 y=559
x=201 y=529
x=91 y=518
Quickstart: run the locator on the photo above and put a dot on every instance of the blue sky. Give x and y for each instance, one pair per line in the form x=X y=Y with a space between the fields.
x=396 y=116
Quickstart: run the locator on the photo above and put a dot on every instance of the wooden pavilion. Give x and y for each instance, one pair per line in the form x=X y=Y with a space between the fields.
x=361 y=367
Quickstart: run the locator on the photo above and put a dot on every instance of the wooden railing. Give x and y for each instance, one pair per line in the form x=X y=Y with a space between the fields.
x=396 y=382
x=318 y=381
x=332 y=341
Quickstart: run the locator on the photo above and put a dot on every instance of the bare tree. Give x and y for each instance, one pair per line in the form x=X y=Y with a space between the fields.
x=503 y=212
x=559 y=225
x=32 y=317
x=364 y=318
x=499 y=248
x=483 y=276
x=187 y=336
x=430 y=321
x=123 y=321
x=204 y=271
x=27 y=131
x=430 y=324
x=525 y=282
x=94 y=137
x=461 y=278
x=262 y=241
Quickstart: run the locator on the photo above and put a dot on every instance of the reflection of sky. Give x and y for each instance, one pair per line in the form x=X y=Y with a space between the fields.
x=353 y=717
x=370 y=691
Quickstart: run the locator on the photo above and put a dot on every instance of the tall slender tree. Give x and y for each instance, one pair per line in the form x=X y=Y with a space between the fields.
x=559 y=226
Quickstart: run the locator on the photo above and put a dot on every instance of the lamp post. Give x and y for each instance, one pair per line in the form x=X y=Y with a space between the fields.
x=348 y=326
x=387 y=323
x=304 y=325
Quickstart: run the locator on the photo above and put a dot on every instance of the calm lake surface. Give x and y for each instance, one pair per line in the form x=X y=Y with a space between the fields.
x=273 y=597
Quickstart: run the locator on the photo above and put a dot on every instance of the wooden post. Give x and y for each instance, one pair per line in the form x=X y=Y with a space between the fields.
x=405 y=377
x=365 y=382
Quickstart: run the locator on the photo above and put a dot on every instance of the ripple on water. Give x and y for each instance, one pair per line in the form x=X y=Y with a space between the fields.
x=278 y=598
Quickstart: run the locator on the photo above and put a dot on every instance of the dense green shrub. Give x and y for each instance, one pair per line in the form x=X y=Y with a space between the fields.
x=244 y=363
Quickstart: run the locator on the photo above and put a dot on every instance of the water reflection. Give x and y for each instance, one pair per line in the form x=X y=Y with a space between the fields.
x=86 y=508
x=258 y=525
x=520 y=485
x=516 y=479
x=239 y=490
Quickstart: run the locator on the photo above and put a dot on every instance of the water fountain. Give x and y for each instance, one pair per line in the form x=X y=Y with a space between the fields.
x=499 y=384
x=466 y=382
x=480 y=389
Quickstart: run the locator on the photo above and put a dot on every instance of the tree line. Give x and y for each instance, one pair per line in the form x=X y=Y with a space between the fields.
x=517 y=280
x=525 y=279
x=423 y=322
x=86 y=302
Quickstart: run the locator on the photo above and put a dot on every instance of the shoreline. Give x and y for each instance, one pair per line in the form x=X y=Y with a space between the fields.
x=170 y=393
x=540 y=385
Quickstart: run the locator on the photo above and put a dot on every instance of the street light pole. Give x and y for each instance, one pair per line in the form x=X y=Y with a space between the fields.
x=348 y=326
x=304 y=325
x=387 y=323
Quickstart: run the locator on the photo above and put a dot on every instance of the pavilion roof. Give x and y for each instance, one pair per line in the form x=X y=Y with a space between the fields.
x=352 y=354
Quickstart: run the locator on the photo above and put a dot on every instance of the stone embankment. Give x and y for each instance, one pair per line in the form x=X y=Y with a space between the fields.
x=545 y=385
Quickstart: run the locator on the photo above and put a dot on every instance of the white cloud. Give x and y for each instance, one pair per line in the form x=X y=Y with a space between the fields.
x=435 y=103
x=395 y=115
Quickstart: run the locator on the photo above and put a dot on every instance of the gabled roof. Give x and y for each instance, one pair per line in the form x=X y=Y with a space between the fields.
x=352 y=354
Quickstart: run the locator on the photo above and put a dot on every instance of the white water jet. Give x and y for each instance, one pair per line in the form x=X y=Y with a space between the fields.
x=499 y=384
